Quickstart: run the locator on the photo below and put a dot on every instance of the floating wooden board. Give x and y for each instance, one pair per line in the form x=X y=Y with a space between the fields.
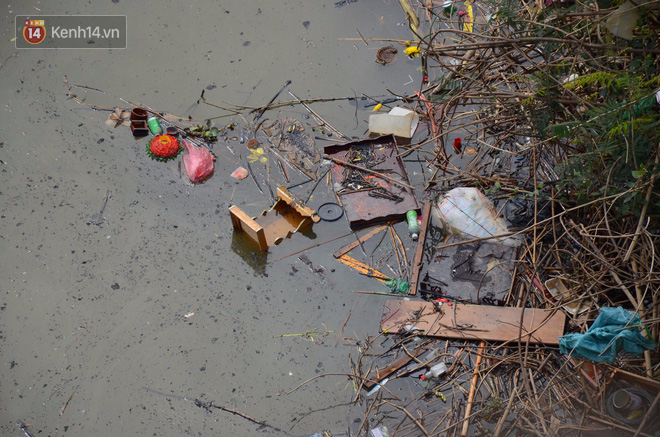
x=474 y=322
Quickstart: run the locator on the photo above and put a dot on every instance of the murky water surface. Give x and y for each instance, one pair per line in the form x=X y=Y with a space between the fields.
x=94 y=335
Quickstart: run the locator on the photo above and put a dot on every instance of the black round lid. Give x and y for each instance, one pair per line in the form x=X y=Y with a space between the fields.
x=330 y=212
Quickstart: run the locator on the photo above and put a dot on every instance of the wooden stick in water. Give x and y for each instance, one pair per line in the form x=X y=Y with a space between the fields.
x=473 y=390
x=262 y=110
x=318 y=118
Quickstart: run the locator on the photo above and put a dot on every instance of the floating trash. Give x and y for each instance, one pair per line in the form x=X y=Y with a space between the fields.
x=163 y=148
x=239 y=173
x=198 y=162
x=330 y=212
x=386 y=55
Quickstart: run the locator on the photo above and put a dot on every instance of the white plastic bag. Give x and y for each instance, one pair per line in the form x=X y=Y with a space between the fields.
x=468 y=213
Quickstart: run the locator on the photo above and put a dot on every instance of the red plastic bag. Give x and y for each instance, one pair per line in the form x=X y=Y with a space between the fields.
x=198 y=162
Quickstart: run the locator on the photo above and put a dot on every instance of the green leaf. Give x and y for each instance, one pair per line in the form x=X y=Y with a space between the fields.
x=564 y=130
x=629 y=197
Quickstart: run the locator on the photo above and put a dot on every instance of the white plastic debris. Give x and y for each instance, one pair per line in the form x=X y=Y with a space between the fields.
x=399 y=121
x=467 y=212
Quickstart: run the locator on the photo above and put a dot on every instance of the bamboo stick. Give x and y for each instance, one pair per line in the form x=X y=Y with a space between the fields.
x=473 y=390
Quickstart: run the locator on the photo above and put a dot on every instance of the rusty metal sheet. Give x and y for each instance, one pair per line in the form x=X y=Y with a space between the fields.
x=374 y=199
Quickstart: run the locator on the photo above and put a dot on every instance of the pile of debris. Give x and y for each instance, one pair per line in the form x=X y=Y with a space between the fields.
x=559 y=335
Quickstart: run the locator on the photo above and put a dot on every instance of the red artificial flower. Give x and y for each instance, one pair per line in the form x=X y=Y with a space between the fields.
x=163 y=147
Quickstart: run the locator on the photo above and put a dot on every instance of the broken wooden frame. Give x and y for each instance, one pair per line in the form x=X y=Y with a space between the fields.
x=286 y=217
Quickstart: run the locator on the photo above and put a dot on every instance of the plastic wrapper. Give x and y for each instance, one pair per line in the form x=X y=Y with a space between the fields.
x=198 y=161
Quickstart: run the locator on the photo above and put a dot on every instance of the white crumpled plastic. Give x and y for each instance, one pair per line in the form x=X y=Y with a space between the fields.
x=468 y=213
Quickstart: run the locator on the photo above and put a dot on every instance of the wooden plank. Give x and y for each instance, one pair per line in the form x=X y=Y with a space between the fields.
x=255 y=232
x=474 y=322
x=364 y=269
x=417 y=259
x=286 y=217
x=355 y=243
x=392 y=367
x=651 y=384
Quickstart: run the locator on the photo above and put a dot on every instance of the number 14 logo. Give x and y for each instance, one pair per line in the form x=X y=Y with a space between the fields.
x=34 y=31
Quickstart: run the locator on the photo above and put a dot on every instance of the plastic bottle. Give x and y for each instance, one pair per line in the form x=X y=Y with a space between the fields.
x=413 y=226
x=434 y=372
x=448 y=9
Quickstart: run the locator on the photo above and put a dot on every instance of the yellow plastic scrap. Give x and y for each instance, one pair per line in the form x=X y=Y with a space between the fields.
x=469 y=22
x=377 y=107
x=412 y=51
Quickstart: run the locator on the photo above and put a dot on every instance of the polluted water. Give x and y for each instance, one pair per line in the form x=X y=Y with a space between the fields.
x=129 y=306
